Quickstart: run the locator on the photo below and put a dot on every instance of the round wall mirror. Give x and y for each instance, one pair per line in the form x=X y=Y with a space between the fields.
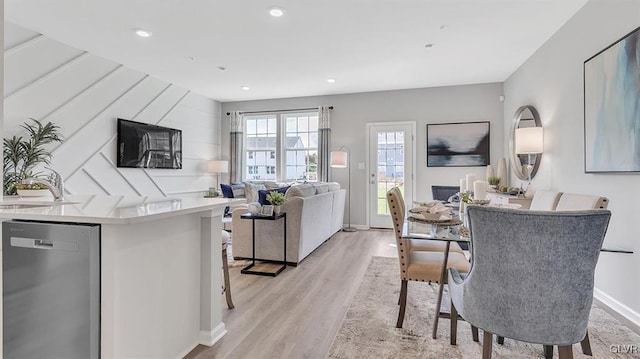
x=521 y=164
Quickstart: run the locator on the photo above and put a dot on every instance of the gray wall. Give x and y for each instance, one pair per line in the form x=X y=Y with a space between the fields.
x=84 y=94
x=552 y=81
x=429 y=105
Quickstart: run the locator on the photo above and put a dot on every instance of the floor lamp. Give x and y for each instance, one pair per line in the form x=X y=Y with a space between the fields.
x=340 y=159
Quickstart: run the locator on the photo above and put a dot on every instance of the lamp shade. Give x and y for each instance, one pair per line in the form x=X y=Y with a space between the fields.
x=338 y=159
x=218 y=166
x=529 y=140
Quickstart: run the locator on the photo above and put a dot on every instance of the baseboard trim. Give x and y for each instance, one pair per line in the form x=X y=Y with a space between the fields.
x=186 y=352
x=209 y=338
x=630 y=317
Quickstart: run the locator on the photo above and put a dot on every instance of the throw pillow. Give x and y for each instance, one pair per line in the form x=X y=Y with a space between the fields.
x=251 y=191
x=227 y=191
x=333 y=186
x=262 y=194
x=238 y=191
x=321 y=188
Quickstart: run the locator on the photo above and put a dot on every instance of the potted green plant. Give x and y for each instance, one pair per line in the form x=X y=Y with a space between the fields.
x=494 y=182
x=276 y=199
x=23 y=154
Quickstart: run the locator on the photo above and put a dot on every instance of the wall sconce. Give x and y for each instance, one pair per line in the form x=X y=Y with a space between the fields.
x=529 y=141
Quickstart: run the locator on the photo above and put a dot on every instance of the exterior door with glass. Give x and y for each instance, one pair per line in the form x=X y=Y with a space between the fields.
x=391 y=149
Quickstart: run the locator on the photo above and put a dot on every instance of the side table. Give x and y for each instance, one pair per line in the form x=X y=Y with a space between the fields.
x=251 y=268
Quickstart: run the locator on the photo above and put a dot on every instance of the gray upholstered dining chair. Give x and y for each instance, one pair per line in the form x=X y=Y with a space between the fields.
x=422 y=266
x=532 y=275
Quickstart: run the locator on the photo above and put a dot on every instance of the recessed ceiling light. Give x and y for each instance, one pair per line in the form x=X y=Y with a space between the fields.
x=276 y=11
x=428 y=46
x=331 y=80
x=142 y=32
x=221 y=68
x=245 y=88
x=443 y=27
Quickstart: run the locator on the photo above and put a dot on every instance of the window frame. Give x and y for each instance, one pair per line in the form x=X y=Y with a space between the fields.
x=280 y=152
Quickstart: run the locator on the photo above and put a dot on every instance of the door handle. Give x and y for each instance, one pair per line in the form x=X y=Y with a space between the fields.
x=42 y=243
x=64 y=245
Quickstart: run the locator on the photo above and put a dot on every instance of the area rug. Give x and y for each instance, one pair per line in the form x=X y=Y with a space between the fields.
x=368 y=329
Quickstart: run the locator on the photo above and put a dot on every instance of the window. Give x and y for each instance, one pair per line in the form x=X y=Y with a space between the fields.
x=282 y=147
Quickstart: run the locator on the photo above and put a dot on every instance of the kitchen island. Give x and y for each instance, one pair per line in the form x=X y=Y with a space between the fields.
x=160 y=261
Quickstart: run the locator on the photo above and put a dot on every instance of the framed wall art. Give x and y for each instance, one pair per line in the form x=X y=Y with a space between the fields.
x=462 y=144
x=611 y=111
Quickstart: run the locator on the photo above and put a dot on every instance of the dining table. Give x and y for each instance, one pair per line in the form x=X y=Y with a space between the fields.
x=447 y=231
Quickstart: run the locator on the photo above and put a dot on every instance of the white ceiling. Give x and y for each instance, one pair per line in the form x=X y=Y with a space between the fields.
x=367 y=45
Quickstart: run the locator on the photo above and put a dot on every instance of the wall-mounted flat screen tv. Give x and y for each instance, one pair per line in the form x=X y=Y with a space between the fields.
x=143 y=145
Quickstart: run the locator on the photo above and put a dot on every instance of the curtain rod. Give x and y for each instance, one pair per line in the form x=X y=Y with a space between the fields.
x=271 y=111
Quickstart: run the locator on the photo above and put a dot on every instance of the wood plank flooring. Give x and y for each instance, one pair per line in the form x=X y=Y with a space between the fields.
x=297 y=314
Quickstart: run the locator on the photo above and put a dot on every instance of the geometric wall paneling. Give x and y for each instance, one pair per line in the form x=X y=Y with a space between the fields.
x=51 y=95
x=15 y=35
x=30 y=63
x=84 y=94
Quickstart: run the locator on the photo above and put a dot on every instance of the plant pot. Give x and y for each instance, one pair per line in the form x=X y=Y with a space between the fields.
x=33 y=192
x=277 y=209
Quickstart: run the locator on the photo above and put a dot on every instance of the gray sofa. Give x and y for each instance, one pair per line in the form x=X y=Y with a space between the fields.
x=314 y=213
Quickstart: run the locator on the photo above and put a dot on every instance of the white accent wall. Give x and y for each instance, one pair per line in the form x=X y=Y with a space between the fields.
x=552 y=81
x=425 y=106
x=84 y=94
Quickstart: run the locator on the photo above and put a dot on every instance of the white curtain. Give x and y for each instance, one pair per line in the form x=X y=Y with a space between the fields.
x=324 y=143
x=236 y=156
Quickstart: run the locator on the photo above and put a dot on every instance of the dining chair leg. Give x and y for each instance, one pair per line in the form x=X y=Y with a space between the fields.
x=474 y=333
x=548 y=351
x=227 y=283
x=454 y=324
x=443 y=280
x=565 y=352
x=403 y=303
x=487 y=341
x=500 y=340
x=586 y=345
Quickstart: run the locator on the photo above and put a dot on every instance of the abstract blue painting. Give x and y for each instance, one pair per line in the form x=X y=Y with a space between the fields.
x=612 y=107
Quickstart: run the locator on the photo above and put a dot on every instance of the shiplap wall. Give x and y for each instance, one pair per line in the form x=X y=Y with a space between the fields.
x=84 y=94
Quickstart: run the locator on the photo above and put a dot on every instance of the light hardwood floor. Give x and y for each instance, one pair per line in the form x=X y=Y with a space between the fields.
x=297 y=314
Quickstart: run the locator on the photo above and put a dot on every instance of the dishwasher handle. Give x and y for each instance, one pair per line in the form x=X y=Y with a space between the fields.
x=37 y=243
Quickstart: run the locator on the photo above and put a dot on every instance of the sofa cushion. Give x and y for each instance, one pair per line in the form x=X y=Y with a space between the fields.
x=262 y=194
x=251 y=191
x=302 y=190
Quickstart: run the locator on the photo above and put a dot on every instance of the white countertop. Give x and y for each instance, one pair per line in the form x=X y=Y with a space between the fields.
x=109 y=209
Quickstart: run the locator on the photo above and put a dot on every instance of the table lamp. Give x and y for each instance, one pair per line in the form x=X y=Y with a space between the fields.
x=218 y=167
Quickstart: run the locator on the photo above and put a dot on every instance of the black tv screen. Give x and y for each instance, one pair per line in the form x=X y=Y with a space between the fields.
x=143 y=145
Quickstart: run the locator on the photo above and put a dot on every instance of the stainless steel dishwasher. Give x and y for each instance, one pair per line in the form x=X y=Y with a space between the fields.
x=51 y=292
